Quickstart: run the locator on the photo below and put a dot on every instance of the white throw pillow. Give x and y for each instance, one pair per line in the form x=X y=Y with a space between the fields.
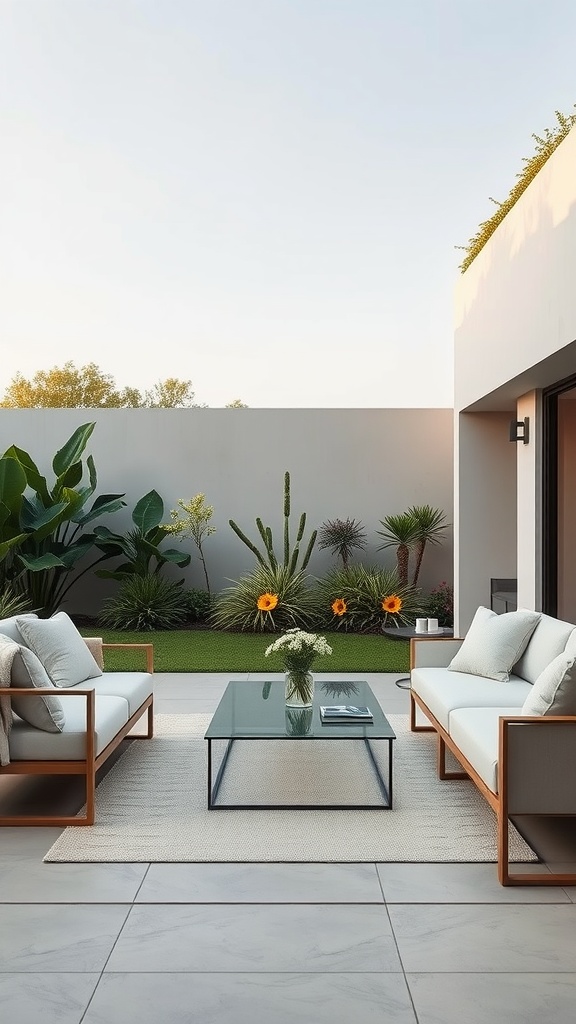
x=494 y=643
x=61 y=649
x=554 y=692
x=44 y=713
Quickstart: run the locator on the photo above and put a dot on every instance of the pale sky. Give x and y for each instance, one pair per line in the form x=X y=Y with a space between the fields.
x=261 y=196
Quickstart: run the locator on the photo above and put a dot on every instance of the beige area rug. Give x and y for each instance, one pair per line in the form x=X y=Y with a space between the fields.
x=152 y=804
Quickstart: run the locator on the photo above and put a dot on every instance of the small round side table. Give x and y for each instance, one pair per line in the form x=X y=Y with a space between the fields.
x=406 y=633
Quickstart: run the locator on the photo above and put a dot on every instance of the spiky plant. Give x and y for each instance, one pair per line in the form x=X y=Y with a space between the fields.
x=365 y=599
x=342 y=536
x=13 y=603
x=400 y=532
x=145 y=603
x=334 y=597
x=430 y=524
x=265 y=600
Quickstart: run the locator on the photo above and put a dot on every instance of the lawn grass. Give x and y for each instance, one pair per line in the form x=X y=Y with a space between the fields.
x=213 y=651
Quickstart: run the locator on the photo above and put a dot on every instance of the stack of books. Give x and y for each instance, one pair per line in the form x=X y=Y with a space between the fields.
x=345 y=713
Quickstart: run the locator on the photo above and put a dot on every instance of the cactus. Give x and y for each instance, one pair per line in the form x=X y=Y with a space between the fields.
x=268 y=556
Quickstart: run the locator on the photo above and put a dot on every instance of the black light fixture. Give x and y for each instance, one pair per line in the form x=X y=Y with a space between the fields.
x=520 y=430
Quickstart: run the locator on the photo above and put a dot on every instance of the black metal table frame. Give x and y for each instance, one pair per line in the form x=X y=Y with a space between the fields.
x=386 y=790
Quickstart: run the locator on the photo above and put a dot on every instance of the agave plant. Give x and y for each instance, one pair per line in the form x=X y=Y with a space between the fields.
x=266 y=599
x=342 y=536
x=145 y=603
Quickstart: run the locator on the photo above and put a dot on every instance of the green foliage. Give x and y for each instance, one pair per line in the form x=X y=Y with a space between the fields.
x=12 y=603
x=140 y=546
x=291 y=556
x=41 y=526
x=353 y=599
x=145 y=602
x=198 y=603
x=440 y=604
x=195 y=524
x=429 y=526
x=399 y=532
x=285 y=599
x=545 y=146
x=342 y=536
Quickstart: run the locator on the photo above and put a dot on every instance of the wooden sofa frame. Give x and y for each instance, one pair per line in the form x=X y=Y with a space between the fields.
x=89 y=765
x=508 y=800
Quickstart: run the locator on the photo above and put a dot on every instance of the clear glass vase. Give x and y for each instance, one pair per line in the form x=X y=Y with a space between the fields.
x=299 y=689
x=298 y=720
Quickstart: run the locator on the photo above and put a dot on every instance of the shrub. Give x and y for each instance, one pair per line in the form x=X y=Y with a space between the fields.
x=365 y=599
x=145 y=603
x=198 y=603
x=266 y=599
x=440 y=604
x=342 y=536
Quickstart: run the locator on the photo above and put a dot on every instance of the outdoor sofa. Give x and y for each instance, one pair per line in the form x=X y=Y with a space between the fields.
x=60 y=712
x=503 y=701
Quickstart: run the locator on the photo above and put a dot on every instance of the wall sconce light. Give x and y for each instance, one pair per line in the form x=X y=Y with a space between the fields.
x=520 y=430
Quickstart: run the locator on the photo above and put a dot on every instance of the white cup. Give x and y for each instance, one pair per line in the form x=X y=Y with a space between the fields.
x=422 y=625
x=432 y=625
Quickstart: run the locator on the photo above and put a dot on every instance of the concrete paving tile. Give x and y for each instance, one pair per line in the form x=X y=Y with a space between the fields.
x=51 y=998
x=35 y=882
x=59 y=938
x=507 y=998
x=461 y=883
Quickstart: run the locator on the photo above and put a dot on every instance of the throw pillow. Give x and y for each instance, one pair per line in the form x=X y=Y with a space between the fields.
x=554 y=692
x=61 y=649
x=43 y=712
x=494 y=643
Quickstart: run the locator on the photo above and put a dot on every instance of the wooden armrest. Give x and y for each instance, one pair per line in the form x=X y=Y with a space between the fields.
x=149 y=648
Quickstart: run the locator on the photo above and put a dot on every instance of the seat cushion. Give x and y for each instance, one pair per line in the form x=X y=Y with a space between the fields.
x=475 y=732
x=548 y=640
x=554 y=692
x=494 y=643
x=29 y=744
x=60 y=648
x=134 y=687
x=443 y=691
x=43 y=712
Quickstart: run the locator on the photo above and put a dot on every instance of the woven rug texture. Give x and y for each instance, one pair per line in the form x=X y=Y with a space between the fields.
x=151 y=806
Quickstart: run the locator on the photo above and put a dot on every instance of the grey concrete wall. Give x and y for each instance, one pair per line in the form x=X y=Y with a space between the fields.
x=362 y=463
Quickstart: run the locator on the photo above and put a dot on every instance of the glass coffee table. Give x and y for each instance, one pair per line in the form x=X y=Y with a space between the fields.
x=257 y=711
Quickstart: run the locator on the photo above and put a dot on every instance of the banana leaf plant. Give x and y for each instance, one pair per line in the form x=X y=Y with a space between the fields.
x=42 y=527
x=140 y=546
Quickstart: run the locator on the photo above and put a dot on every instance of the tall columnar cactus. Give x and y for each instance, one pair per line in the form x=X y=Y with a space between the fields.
x=268 y=555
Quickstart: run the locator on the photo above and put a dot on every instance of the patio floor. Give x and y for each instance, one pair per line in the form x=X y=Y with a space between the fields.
x=280 y=943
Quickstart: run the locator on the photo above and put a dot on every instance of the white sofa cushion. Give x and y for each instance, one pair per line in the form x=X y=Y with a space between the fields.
x=29 y=744
x=60 y=648
x=135 y=687
x=443 y=691
x=28 y=672
x=9 y=628
x=554 y=692
x=494 y=643
x=549 y=639
x=475 y=732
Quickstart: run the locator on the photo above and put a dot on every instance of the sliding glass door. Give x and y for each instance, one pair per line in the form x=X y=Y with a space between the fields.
x=559 y=500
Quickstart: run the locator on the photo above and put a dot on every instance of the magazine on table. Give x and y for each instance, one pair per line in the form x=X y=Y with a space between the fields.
x=345 y=713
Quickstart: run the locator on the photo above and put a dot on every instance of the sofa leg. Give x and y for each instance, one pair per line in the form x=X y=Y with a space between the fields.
x=503 y=862
x=413 y=726
x=441 y=763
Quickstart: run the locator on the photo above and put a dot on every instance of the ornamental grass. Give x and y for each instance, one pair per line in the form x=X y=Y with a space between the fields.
x=268 y=599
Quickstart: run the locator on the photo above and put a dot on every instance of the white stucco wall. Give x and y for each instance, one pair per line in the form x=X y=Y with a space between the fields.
x=362 y=463
x=515 y=306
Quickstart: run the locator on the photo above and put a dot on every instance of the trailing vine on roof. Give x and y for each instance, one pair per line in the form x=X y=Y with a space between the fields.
x=545 y=146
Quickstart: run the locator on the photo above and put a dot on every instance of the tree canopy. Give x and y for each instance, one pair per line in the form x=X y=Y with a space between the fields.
x=88 y=387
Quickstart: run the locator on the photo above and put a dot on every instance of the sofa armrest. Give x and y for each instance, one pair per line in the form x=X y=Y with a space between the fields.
x=94 y=645
x=536 y=764
x=148 y=648
x=433 y=653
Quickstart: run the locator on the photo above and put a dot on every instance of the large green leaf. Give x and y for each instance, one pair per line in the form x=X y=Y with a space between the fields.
x=12 y=486
x=179 y=558
x=72 y=450
x=102 y=505
x=34 y=478
x=74 y=552
x=70 y=478
x=148 y=512
x=34 y=517
x=46 y=561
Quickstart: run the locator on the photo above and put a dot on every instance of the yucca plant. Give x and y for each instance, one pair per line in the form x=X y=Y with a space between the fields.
x=342 y=536
x=145 y=603
x=267 y=600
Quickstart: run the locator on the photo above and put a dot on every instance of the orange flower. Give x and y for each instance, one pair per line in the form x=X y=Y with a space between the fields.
x=266 y=602
x=392 y=604
x=339 y=606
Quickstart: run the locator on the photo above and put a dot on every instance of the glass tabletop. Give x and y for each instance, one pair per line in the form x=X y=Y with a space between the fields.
x=252 y=710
